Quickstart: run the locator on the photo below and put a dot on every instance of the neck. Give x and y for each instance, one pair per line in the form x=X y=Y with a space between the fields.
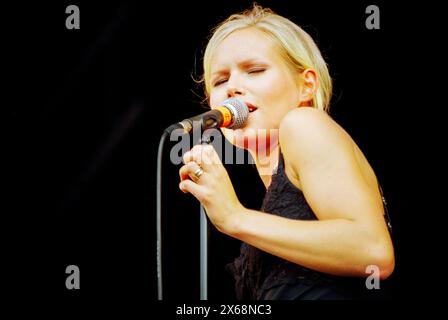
x=266 y=161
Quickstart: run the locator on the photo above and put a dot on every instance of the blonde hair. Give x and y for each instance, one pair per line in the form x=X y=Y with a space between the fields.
x=296 y=47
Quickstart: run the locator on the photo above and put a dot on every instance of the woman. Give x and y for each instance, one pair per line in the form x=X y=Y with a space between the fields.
x=323 y=221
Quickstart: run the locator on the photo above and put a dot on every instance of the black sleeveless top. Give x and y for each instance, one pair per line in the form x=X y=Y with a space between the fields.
x=262 y=276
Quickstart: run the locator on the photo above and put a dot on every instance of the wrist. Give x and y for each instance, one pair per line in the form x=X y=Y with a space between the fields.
x=232 y=225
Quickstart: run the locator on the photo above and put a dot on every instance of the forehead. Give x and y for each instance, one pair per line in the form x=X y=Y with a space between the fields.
x=242 y=45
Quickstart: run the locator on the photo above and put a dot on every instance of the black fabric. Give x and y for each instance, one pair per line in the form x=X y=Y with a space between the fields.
x=262 y=276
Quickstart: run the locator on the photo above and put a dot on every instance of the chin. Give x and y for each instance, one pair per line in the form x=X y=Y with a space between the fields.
x=250 y=138
x=241 y=138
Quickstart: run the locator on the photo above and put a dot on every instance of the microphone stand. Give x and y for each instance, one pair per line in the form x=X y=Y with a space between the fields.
x=203 y=260
x=203 y=247
x=236 y=110
x=203 y=230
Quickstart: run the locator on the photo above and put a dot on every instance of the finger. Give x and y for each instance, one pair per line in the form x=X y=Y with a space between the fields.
x=196 y=190
x=204 y=155
x=194 y=154
x=212 y=155
x=187 y=157
x=187 y=171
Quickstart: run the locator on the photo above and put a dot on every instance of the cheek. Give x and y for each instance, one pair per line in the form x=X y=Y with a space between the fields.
x=274 y=88
x=285 y=84
x=215 y=99
x=281 y=89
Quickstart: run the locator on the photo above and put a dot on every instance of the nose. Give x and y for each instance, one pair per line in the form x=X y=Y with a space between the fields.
x=233 y=92
x=234 y=87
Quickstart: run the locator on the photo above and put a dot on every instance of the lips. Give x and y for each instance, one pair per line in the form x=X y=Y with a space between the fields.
x=251 y=107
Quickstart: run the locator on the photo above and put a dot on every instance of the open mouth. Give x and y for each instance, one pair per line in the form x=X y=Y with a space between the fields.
x=251 y=107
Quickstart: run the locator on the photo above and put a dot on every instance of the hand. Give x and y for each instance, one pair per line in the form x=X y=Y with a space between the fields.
x=212 y=187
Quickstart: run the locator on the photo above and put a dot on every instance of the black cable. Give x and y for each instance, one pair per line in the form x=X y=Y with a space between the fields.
x=159 y=215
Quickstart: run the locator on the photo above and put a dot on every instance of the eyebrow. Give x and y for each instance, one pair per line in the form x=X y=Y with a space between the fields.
x=242 y=64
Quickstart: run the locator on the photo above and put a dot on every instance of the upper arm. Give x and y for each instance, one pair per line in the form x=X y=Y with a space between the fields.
x=321 y=154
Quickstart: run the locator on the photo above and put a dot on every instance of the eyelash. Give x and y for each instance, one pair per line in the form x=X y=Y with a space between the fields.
x=217 y=83
x=256 y=70
x=252 y=71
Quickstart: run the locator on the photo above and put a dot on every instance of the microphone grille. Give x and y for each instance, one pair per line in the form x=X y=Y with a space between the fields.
x=239 y=110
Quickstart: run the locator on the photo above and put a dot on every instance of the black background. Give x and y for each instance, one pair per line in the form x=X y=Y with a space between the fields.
x=84 y=110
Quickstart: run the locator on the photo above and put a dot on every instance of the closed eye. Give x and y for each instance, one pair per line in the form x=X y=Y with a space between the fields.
x=219 y=82
x=259 y=70
x=250 y=71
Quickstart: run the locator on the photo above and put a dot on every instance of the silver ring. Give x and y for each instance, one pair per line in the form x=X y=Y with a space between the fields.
x=198 y=173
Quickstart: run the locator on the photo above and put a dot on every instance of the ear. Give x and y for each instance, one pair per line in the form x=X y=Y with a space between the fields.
x=309 y=87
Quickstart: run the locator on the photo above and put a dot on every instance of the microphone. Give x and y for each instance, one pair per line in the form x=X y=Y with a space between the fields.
x=232 y=114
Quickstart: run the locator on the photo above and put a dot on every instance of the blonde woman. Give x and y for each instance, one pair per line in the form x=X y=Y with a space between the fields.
x=323 y=221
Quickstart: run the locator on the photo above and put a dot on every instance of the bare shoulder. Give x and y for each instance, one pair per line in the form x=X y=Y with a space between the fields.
x=313 y=143
x=310 y=130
